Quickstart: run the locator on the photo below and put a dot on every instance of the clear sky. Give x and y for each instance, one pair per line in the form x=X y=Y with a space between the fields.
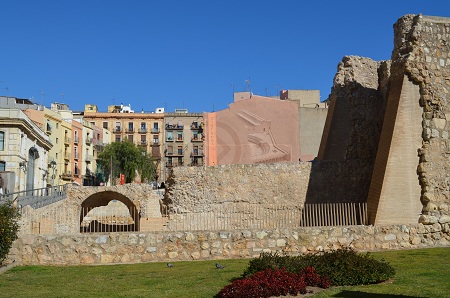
x=187 y=54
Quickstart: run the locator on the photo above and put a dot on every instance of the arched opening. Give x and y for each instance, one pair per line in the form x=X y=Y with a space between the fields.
x=108 y=211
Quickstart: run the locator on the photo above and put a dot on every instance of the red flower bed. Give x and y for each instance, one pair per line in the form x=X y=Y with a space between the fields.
x=271 y=282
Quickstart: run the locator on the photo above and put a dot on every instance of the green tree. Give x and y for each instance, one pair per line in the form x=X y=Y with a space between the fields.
x=128 y=159
x=9 y=227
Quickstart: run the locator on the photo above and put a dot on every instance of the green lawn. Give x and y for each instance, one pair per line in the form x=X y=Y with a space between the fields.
x=419 y=273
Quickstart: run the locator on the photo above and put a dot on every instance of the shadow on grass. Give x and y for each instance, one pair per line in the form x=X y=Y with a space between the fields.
x=357 y=294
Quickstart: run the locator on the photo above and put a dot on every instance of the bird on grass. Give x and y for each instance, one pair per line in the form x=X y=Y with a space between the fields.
x=169 y=265
x=218 y=266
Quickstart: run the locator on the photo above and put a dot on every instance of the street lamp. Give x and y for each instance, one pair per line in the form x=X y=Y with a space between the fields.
x=53 y=166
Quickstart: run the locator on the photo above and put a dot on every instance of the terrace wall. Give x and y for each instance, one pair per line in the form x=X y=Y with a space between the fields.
x=109 y=248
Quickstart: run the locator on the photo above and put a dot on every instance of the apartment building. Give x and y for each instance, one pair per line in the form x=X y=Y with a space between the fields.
x=143 y=129
x=183 y=140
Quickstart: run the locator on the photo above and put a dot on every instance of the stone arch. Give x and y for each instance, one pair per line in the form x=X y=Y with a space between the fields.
x=103 y=198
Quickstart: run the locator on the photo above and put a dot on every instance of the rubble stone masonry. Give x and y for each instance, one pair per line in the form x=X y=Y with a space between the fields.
x=137 y=247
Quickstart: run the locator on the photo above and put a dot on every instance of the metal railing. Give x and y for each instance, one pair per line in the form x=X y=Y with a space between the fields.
x=38 y=197
x=334 y=214
x=234 y=216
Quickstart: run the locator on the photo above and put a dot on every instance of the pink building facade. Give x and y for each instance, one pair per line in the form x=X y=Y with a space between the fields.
x=254 y=129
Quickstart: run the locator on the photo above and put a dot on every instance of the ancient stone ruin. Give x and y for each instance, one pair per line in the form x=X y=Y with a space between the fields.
x=385 y=141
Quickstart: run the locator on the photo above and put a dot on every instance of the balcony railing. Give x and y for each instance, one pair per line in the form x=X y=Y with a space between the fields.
x=67 y=155
x=174 y=164
x=118 y=129
x=88 y=141
x=196 y=153
x=142 y=143
x=142 y=130
x=66 y=140
x=88 y=158
x=155 y=130
x=66 y=175
x=75 y=140
x=155 y=142
x=174 y=127
x=197 y=139
x=76 y=156
x=130 y=129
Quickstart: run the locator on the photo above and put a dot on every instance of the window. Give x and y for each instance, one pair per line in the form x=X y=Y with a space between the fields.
x=155 y=139
x=76 y=168
x=180 y=150
x=180 y=136
x=180 y=161
x=169 y=161
x=117 y=126
x=57 y=125
x=117 y=138
x=105 y=125
x=195 y=138
x=195 y=150
x=143 y=140
x=169 y=150
x=130 y=138
x=169 y=136
x=143 y=125
x=57 y=140
x=2 y=141
x=130 y=126
x=2 y=166
x=93 y=123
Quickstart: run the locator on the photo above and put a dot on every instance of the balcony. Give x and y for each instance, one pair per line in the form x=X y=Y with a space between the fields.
x=179 y=139
x=66 y=141
x=142 y=143
x=142 y=130
x=130 y=129
x=174 y=164
x=75 y=140
x=66 y=156
x=169 y=139
x=198 y=138
x=76 y=156
x=155 y=130
x=88 y=158
x=174 y=127
x=198 y=153
x=88 y=141
x=155 y=142
x=66 y=175
x=117 y=129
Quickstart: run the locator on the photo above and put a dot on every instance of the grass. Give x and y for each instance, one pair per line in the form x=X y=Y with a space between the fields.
x=419 y=273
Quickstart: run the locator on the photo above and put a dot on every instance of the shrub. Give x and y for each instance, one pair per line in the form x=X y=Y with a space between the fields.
x=9 y=226
x=343 y=266
x=272 y=282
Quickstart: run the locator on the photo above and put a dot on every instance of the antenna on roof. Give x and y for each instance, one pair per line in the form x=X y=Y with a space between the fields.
x=42 y=96
x=249 y=86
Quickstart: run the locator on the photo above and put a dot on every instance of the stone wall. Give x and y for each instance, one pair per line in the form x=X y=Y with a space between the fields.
x=206 y=245
x=191 y=188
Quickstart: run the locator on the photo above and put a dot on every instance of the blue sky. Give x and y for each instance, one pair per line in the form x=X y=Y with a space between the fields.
x=187 y=54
